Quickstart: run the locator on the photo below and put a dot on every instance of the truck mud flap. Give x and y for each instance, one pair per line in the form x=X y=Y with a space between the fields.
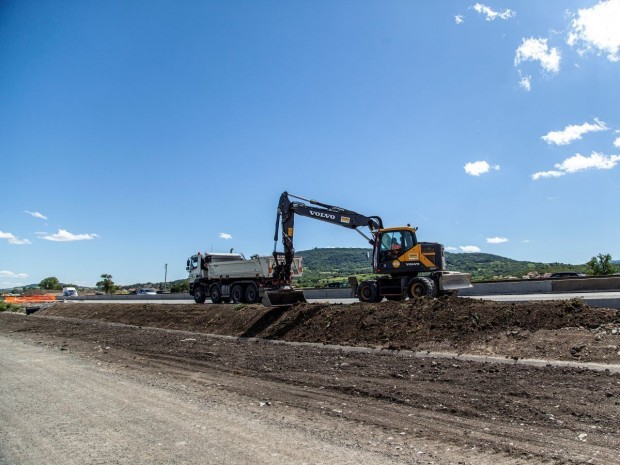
x=454 y=280
x=283 y=298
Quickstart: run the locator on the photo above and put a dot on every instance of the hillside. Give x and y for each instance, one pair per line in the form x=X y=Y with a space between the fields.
x=323 y=264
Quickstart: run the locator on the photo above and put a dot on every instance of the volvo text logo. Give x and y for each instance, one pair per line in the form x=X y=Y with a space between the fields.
x=329 y=216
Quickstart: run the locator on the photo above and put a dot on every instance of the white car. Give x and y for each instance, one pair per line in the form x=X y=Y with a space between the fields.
x=146 y=292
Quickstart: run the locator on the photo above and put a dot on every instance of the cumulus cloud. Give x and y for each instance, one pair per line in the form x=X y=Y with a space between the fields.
x=537 y=50
x=36 y=215
x=225 y=236
x=13 y=239
x=10 y=274
x=65 y=236
x=496 y=240
x=617 y=142
x=597 y=29
x=490 y=14
x=578 y=162
x=469 y=248
x=477 y=168
x=596 y=161
x=573 y=132
x=458 y=19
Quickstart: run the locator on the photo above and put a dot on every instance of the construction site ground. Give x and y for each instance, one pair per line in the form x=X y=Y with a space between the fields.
x=330 y=399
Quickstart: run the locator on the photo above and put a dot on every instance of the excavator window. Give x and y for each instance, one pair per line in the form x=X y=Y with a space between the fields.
x=394 y=243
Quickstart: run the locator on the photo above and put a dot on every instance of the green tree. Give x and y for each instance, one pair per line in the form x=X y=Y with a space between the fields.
x=179 y=286
x=106 y=284
x=50 y=284
x=601 y=265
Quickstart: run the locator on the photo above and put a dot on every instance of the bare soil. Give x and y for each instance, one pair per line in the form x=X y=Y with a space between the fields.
x=560 y=330
x=462 y=411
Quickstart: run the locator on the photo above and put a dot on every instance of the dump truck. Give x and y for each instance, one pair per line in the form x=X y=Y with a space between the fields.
x=226 y=277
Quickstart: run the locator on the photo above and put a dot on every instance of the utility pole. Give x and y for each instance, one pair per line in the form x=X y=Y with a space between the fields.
x=165 y=275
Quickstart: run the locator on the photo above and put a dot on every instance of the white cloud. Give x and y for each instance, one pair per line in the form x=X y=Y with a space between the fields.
x=477 y=168
x=547 y=174
x=36 y=215
x=13 y=239
x=458 y=19
x=526 y=82
x=578 y=163
x=496 y=240
x=595 y=161
x=537 y=50
x=65 y=236
x=597 y=28
x=469 y=248
x=490 y=14
x=10 y=274
x=617 y=142
x=573 y=132
x=225 y=236
x=451 y=249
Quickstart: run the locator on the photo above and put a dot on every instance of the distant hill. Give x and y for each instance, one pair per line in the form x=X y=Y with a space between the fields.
x=333 y=262
x=322 y=265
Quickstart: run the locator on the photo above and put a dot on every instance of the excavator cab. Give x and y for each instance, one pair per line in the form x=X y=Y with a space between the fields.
x=397 y=252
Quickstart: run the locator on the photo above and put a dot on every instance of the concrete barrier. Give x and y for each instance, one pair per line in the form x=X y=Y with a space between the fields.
x=544 y=286
x=611 y=283
x=508 y=287
x=341 y=293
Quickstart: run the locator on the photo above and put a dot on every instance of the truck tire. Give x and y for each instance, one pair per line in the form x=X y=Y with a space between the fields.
x=420 y=287
x=236 y=293
x=199 y=295
x=251 y=293
x=215 y=293
x=368 y=292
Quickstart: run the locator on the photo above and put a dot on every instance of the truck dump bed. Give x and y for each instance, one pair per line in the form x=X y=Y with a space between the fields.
x=257 y=267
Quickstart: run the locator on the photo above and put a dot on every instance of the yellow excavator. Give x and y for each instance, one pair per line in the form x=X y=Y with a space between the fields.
x=405 y=267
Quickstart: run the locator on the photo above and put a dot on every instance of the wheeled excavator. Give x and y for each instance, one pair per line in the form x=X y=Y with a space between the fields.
x=404 y=266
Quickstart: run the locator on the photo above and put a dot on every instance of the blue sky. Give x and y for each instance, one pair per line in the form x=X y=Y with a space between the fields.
x=135 y=133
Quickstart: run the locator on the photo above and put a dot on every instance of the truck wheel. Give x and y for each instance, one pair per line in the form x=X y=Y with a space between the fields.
x=368 y=292
x=199 y=295
x=419 y=287
x=236 y=293
x=251 y=294
x=215 y=293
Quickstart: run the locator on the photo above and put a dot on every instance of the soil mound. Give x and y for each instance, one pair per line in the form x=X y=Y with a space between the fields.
x=447 y=322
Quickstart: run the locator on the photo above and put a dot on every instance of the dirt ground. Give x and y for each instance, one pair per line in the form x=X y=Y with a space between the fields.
x=517 y=413
x=561 y=330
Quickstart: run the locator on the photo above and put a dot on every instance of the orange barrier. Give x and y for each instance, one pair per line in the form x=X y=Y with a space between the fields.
x=9 y=299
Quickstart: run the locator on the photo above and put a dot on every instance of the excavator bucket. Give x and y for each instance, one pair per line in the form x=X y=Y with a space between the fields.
x=454 y=280
x=283 y=298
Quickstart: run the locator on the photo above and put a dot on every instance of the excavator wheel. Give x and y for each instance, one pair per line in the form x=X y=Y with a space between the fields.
x=368 y=292
x=420 y=287
x=199 y=295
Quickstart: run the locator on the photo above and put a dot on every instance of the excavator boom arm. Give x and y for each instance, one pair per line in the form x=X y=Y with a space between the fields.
x=287 y=209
